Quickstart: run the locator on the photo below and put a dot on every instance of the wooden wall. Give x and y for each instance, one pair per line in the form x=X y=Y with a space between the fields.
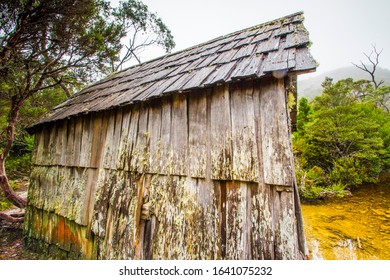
x=213 y=167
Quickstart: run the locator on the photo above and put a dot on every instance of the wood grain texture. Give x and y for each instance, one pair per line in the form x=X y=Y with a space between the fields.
x=245 y=157
x=276 y=147
x=221 y=135
x=198 y=134
x=179 y=135
x=213 y=167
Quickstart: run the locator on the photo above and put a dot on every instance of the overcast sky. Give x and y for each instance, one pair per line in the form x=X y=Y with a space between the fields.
x=341 y=30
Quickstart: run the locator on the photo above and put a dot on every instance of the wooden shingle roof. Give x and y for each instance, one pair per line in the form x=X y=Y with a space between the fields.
x=279 y=45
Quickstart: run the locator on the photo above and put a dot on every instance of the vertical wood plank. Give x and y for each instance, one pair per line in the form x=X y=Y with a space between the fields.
x=197 y=123
x=277 y=152
x=245 y=158
x=140 y=153
x=69 y=155
x=288 y=235
x=116 y=137
x=89 y=197
x=132 y=136
x=221 y=146
x=86 y=141
x=262 y=208
x=64 y=142
x=78 y=140
x=100 y=124
x=123 y=149
x=154 y=129
x=165 y=145
x=59 y=142
x=52 y=159
x=109 y=147
x=277 y=217
x=238 y=230
x=39 y=146
x=179 y=135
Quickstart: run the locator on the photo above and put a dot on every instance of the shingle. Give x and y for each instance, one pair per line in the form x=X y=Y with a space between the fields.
x=277 y=45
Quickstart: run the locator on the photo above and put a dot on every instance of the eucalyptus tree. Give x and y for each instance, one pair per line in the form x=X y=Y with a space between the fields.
x=62 y=43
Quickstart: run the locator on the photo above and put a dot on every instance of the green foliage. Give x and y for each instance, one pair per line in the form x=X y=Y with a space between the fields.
x=304 y=112
x=342 y=139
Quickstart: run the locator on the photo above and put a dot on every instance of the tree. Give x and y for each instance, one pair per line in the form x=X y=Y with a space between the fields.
x=59 y=43
x=380 y=94
x=345 y=142
x=142 y=28
x=373 y=59
x=304 y=112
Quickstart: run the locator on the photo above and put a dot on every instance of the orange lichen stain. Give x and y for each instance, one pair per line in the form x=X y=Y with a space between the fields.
x=70 y=236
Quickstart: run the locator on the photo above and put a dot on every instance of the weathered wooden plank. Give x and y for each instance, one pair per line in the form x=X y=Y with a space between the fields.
x=54 y=228
x=117 y=135
x=154 y=129
x=140 y=153
x=124 y=145
x=179 y=135
x=51 y=156
x=238 y=229
x=288 y=235
x=100 y=124
x=276 y=61
x=276 y=218
x=197 y=141
x=244 y=51
x=78 y=134
x=150 y=233
x=276 y=145
x=62 y=142
x=221 y=146
x=89 y=197
x=262 y=36
x=226 y=56
x=271 y=44
x=304 y=60
x=39 y=146
x=132 y=137
x=165 y=145
x=262 y=227
x=109 y=147
x=199 y=76
x=69 y=152
x=249 y=67
x=86 y=141
x=298 y=38
x=221 y=74
x=245 y=157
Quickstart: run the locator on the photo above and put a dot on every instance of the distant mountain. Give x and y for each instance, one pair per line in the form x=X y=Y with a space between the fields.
x=311 y=87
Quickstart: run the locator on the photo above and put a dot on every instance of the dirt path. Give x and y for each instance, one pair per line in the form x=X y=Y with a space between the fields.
x=11 y=236
x=11 y=243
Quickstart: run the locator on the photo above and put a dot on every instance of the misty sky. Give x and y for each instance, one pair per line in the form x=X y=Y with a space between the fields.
x=341 y=30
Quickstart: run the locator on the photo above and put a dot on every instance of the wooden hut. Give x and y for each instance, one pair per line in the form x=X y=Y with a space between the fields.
x=187 y=156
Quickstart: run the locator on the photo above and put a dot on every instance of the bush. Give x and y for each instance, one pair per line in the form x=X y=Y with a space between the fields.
x=342 y=143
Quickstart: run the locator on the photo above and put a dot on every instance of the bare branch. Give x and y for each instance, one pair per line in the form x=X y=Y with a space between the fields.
x=373 y=58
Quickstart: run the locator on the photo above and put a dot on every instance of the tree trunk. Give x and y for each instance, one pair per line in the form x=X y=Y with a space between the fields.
x=9 y=139
x=7 y=189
